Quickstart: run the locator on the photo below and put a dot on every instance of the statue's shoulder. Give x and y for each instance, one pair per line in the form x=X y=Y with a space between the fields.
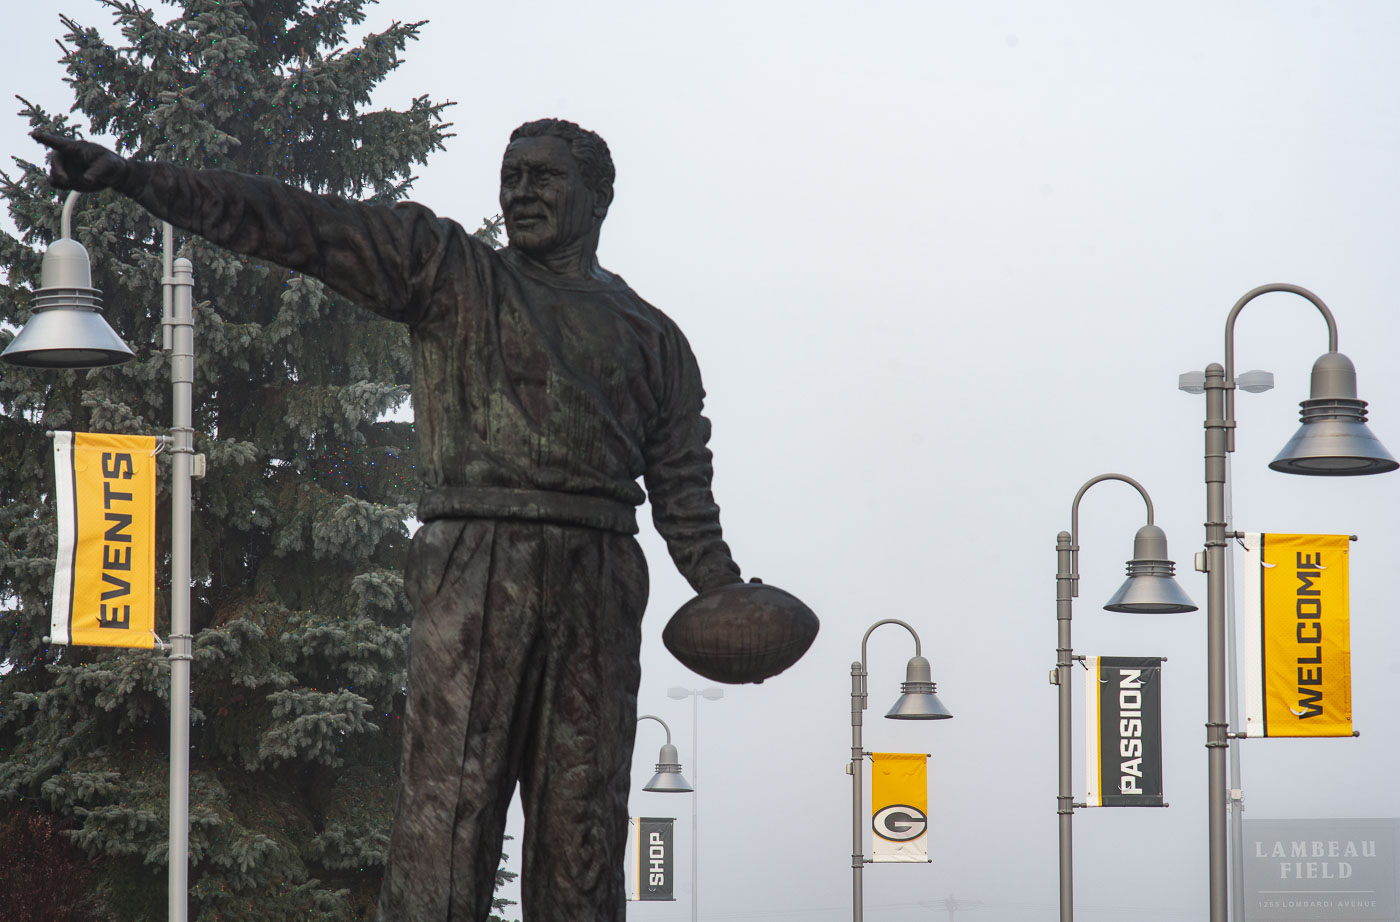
x=410 y=212
x=665 y=330
x=617 y=284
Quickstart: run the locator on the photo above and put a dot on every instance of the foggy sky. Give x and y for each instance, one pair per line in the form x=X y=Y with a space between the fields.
x=941 y=264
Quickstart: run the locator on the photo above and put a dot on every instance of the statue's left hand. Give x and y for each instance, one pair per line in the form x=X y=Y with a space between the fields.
x=80 y=165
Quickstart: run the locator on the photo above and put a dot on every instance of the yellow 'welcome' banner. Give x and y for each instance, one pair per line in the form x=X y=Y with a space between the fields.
x=104 y=578
x=1297 y=628
x=899 y=806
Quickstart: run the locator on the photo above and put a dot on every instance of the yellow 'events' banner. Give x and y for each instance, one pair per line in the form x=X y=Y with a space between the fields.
x=105 y=577
x=1297 y=630
x=899 y=806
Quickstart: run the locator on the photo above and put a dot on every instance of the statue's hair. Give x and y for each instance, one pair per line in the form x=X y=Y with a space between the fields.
x=590 y=151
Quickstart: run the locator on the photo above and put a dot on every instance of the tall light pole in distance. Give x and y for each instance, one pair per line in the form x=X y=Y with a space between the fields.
x=679 y=692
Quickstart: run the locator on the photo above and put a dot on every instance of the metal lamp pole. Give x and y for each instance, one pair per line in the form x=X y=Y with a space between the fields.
x=1150 y=589
x=917 y=701
x=178 y=328
x=1333 y=441
x=695 y=694
x=67 y=331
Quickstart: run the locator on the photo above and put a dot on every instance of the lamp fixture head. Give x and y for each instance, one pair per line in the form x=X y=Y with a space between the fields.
x=1334 y=440
x=668 y=778
x=917 y=700
x=1151 y=587
x=67 y=329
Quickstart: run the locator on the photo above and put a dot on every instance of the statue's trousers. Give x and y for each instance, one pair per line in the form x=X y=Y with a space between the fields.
x=523 y=666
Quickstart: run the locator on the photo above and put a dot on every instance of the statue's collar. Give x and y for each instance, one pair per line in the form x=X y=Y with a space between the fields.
x=522 y=264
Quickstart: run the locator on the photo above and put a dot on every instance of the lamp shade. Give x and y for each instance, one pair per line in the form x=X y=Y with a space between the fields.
x=67 y=329
x=668 y=778
x=1334 y=440
x=917 y=700
x=1151 y=587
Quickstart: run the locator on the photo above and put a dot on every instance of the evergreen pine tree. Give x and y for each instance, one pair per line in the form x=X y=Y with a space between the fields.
x=299 y=615
x=503 y=876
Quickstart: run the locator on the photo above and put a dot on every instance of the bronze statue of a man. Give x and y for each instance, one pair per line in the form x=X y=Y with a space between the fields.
x=544 y=387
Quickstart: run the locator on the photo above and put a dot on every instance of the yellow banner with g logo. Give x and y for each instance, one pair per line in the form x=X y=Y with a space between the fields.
x=105 y=575
x=899 y=806
x=1297 y=635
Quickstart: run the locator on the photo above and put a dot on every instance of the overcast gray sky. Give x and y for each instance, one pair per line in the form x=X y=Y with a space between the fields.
x=941 y=264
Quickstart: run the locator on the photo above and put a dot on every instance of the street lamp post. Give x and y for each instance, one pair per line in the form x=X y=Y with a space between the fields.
x=917 y=701
x=1149 y=589
x=1332 y=441
x=679 y=692
x=68 y=331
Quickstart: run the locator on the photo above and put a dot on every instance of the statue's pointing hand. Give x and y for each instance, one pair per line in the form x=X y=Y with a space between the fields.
x=80 y=165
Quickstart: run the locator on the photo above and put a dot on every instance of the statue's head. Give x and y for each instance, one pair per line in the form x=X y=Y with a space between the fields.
x=556 y=185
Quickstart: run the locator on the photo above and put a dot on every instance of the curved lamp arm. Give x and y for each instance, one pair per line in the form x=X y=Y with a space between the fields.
x=1230 y=343
x=167 y=264
x=871 y=630
x=660 y=721
x=864 y=658
x=1074 y=521
x=65 y=223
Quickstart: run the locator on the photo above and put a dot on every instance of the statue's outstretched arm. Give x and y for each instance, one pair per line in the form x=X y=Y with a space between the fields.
x=385 y=258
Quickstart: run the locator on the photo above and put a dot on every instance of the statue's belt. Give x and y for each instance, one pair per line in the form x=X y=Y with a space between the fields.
x=527 y=505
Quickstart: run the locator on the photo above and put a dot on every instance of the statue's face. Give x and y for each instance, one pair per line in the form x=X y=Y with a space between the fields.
x=546 y=204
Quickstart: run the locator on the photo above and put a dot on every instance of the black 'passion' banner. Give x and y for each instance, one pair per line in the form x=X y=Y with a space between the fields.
x=1124 y=731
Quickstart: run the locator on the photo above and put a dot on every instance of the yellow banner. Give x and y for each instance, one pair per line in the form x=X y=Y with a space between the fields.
x=899 y=806
x=1297 y=629
x=105 y=578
